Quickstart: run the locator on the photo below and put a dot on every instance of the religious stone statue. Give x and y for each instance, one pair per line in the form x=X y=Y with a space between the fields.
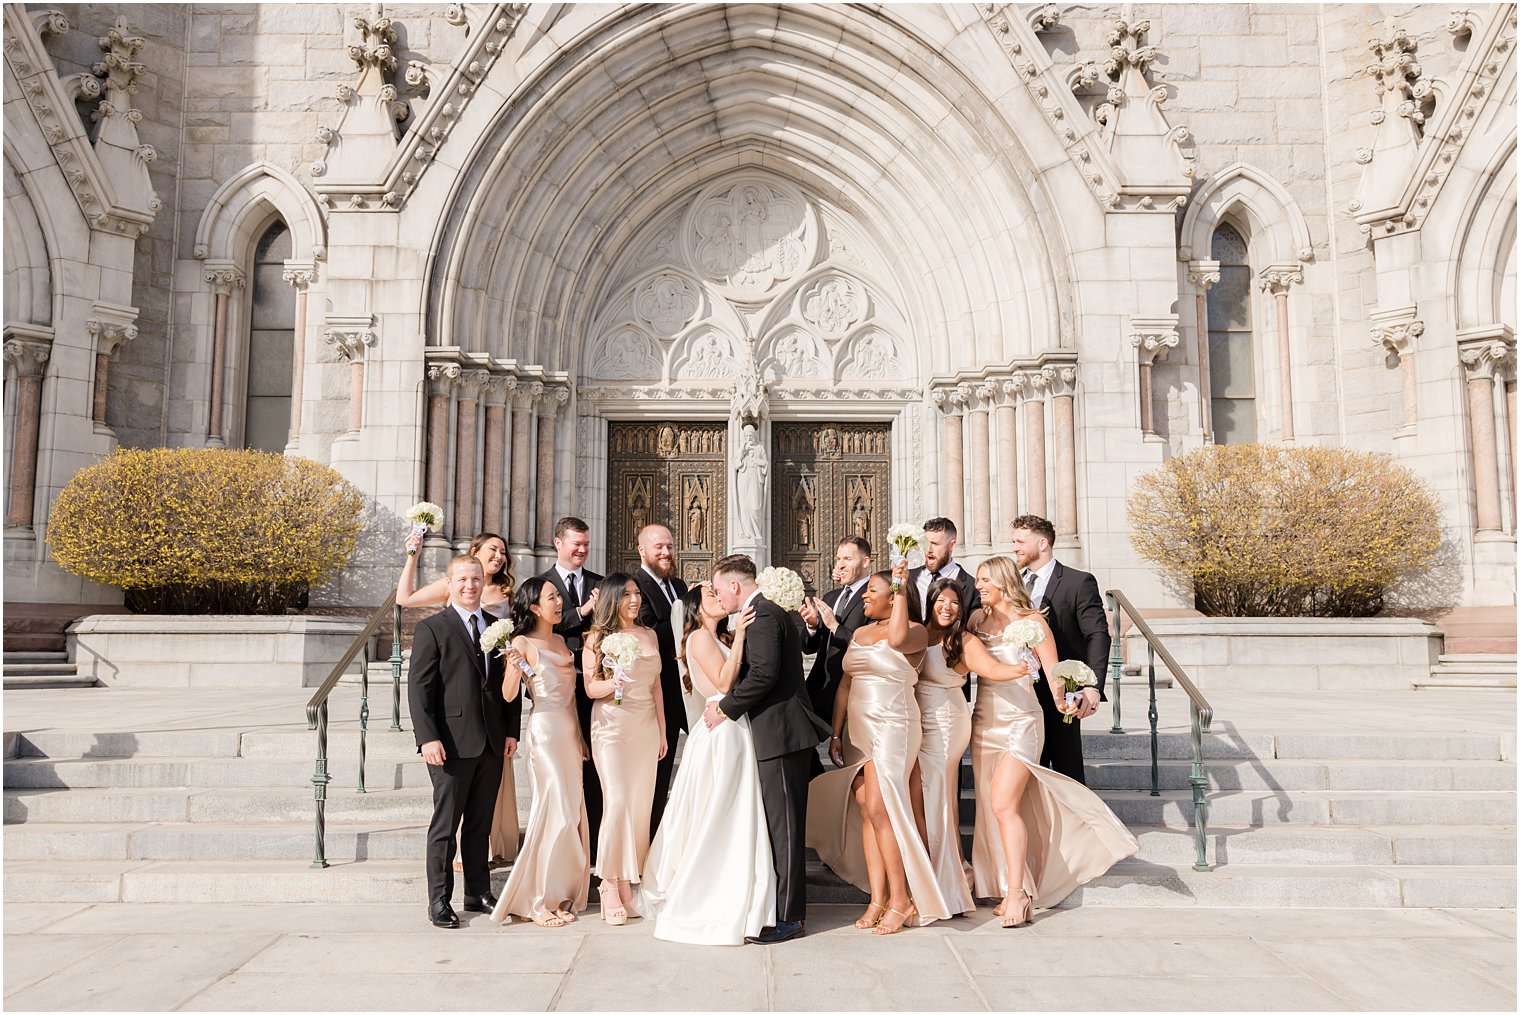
x=696 y=523
x=749 y=485
x=862 y=519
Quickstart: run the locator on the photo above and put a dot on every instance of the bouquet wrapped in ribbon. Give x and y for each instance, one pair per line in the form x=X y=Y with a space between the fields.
x=1025 y=635
x=782 y=586
x=496 y=638
x=425 y=517
x=907 y=542
x=1071 y=675
x=619 y=651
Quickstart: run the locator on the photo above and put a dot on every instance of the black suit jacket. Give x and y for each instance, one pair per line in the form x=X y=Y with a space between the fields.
x=971 y=599
x=454 y=691
x=1074 y=607
x=654 y=613
x=573 y=627
x=829 y=648
x=769 y=688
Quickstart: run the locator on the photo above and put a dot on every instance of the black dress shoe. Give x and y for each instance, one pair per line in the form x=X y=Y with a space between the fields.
x=442 y=915
x=777 y=934
x=480 y=903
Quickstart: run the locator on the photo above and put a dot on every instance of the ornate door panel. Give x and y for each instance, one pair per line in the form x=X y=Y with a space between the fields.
x=675 y=474
x=829 y=480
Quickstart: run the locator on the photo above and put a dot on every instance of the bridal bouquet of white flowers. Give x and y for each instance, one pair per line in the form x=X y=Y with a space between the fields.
x=907 y=542
x=495 y=639
x=782 y=586
x=1024 y=635
x=1072 y=675
x=425 y=517
x=618 y=654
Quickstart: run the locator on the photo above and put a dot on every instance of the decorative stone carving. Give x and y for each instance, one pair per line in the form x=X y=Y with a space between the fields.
x=1396 y=330
x=1486 y=357
x=708 y=355
x=1203 y=274
x=750 y=398
x=301 y=277
x=833 y=305
x=666 y=303
x=1276 y=278
x=873 y=357
x=110 y=332
x=750 y=235
x=351 y=336
x=1396 y=71
x=1153 y=337
x=751 y=489
x=223 y=277
x=627 y=354
x=796 y=356
x=1044 y=17
x=28 y=359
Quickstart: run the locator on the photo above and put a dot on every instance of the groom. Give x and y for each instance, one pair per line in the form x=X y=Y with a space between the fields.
x=769 y=689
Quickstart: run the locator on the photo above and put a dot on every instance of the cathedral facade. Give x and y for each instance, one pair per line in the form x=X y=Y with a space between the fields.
x=770 y=274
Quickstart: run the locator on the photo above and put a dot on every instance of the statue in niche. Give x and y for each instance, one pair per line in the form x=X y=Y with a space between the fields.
x=750 y=474
x=638 y=506
x=696 y=519
x=666 y=446
x=753 y=248
x=861 y=519
x=803 y=506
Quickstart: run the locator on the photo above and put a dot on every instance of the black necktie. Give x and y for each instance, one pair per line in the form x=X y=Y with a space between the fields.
x=1030 y=578
x=843 y=600
x=475 y=641
x=670 y=591
x=934 y=576
x=575 y=600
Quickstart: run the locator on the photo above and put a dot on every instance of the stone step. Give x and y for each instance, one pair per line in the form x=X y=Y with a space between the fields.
x=147 y=743
x=10 y=658
x=88 y=773
x=44 y=677
x=1174 y=808
x=1131 y=883
x=1471 y=670
x=1290 y=775
x=1424 y=845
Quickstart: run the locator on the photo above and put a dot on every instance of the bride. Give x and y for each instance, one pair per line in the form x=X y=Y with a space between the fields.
x=709 y=877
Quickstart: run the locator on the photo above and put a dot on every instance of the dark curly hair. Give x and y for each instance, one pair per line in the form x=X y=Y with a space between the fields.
x=954 y=639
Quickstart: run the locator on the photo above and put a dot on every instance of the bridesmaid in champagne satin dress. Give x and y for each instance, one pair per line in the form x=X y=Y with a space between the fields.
x=627 y=742
x=861 y=816
x=552 y=875
x=1039 y=835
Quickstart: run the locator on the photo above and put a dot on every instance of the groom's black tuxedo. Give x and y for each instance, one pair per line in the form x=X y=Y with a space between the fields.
x=769 y=689
x=454 y=694
x=654 y=613
x=1079 y=624
x=829 y=648
x=573 y=627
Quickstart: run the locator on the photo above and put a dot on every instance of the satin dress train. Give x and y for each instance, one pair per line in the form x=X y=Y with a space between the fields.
x=553 y=871
x=625 y=743
x=1073 y=836
x=946 y=718
x=709 y=878
x=883 y=726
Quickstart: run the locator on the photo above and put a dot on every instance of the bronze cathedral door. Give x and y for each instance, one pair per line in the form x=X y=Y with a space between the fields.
x=828 y=481
x=675 y=474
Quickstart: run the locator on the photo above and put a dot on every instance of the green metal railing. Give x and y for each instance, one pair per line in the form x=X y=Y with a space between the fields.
x=1202 y=713
x=316 y=709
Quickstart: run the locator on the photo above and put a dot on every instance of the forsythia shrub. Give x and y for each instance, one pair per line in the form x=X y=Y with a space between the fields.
x=205 y=530
x=1262 y=531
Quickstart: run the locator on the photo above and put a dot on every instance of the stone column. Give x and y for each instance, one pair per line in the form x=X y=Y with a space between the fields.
x=1482 y=360
x=493 y=475
x=466 y=446
x=953 y=404
x=441 y=378
x=300 y=275
x=1204 y=275
x=1510 y=432
x=1276 y=279
x=1153 y=338
x=1061 y=381
x=30 y=362
x=522 y=470
x=979 y=397
x=1034 y=443
x=351 y=337
x=1008 y=455
x=108 y=327
x=1396 y=331
x=223 y=278
x=543 y=484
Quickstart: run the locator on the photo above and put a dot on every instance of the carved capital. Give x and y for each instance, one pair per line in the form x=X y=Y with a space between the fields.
x=1487 y=353
x=350 y=336
x=109 y=334
x=28 y=358
x=1153 y=337
x=1203 y=274
x=554 y=396
x=443 y=376
x=1396 y=330
x=299 y=274
x=223 y=276
x=1060 y=380
x=1276 y=278
x=494 y=390
x=473 y=383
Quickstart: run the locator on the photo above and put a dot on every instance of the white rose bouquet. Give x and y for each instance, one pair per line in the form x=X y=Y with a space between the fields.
x=496 y=638
x=907 y=542
x=1072 y=675
x=1025 y=635
x=782 y=586
x=425 y=517
x=618 y=654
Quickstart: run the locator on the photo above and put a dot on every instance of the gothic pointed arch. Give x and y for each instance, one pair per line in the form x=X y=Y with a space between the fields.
x=1278 y=232
x=242 y=207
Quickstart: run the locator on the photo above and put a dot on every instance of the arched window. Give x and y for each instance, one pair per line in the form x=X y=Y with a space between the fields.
x=1232 y=357
x=271 y=345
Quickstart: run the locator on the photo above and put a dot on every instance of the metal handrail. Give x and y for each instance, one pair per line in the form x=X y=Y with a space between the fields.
x=1202 y=713
x=316 y=710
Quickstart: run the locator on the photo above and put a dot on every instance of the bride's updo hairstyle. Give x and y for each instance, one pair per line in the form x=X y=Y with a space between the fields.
x=528 y=594
x=1005 y=575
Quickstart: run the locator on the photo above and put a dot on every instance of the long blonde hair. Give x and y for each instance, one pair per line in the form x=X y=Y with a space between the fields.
x=1004 y=573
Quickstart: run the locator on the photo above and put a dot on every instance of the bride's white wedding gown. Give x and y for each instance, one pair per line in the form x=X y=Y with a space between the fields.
x=709 y=878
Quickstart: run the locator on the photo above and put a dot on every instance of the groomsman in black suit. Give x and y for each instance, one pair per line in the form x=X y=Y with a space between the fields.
x=661 y=591
x=578 y=587
x=464 y=730
x=852 y=569
x=1074 y=608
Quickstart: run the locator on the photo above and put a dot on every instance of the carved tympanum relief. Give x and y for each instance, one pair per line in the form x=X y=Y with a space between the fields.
x=748 y=274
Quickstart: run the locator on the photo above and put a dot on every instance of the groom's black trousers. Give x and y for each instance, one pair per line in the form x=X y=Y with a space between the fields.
x=783 y=790
x=464 y=789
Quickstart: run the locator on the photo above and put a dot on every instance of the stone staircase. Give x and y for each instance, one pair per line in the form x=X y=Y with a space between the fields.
x=1471 y=670
x=42 y=670
x=1296 y=819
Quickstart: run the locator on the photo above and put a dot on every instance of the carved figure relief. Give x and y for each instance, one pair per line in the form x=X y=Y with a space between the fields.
x=751 y=471
x=796 y=355
x=709 y=355
x=803 y=504
x=832 y=306
x=751 y=235
x=666 y=303
x=628 y=354
x=638 y=503
x=696 y=513
x=873 y=358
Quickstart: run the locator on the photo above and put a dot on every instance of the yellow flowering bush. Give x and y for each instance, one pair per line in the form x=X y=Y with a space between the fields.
x=1256 y=530
x=205 y=530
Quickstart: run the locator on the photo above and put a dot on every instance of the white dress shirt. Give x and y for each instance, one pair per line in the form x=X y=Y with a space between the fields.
x=667 y=587
x=1041 y=581
x=925 y=578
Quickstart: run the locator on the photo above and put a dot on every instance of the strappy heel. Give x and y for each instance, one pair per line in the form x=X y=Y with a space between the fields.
x=614 y=916
x=910 y=919
x=864 y=923
x=1021 y=914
